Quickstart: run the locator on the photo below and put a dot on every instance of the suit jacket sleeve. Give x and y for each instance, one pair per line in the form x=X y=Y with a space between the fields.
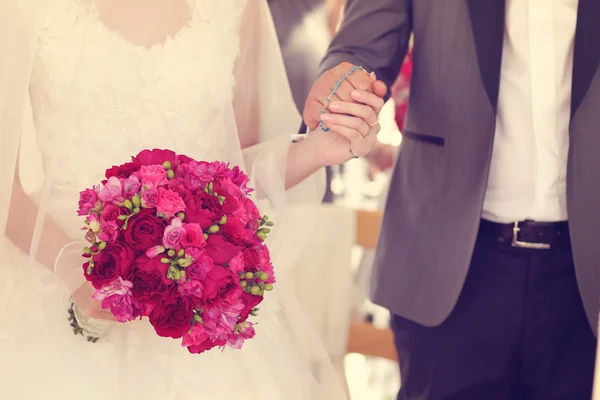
x=374 y=34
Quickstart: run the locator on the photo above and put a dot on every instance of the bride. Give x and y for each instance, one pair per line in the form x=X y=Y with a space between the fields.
x=85 y=84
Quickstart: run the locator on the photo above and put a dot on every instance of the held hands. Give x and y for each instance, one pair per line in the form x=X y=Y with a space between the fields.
x=351 y=115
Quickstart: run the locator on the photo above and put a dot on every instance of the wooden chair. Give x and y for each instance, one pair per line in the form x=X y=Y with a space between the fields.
x=364 y=338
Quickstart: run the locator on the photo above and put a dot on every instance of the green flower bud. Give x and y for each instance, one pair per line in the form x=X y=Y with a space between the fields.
x=167 y=165
x=170 y=174
x=180 y=253
x=255 y=290
x=102 y=246
x=243 y=284
x=198 y=319
x=171 y=253
x=223 y=220
x=249 y=275
x=184 y=262
x=165 y=260
x=88 y=251
x=205 y=236
x=181 y=216
x=268 y=287
x=246 y=289
x=264 y=276
x=262 y=236
x=210 y=187
x=269 y=223
x=136 y=200
x=214 y=229
x=128 y=204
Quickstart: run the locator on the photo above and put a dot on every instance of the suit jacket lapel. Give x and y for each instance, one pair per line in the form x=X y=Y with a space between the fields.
x=587 y=50
x=487 y=21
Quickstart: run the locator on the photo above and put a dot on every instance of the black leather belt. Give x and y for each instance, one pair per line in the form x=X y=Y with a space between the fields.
x=528 y=234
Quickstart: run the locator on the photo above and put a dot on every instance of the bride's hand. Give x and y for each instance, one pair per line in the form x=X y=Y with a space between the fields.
x=92 y=308
x=353 y=128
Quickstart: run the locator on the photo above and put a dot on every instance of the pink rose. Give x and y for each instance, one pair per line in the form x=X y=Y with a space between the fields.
x=111 y=191
x=153 y=176
x=110 y=232
x=131 y=186
x=150 y=198
x=88 y=201
x=155 y=156
x=169 y=203
x=194 y=236
x=173 y=234
x=117 y=297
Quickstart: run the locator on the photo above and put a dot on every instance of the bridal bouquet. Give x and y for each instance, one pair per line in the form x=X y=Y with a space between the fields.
x=180 y=242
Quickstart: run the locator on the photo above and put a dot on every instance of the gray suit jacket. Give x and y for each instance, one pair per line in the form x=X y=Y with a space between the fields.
x=437 y=190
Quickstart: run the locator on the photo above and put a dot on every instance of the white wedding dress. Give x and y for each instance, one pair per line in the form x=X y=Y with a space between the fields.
x=96 y=92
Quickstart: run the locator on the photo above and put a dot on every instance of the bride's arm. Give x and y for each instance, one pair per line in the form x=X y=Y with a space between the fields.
x=265 y=111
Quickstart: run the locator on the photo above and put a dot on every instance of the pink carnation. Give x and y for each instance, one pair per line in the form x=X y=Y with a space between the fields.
x=197 y=175
x=169 y=203
x=153 y=176
x=117 y=297
x=191 y=288
x=88 y=201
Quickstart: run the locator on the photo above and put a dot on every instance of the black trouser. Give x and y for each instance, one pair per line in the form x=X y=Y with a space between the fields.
x=518 y=332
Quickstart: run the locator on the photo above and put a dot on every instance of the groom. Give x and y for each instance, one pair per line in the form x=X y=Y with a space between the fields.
x=489 y=254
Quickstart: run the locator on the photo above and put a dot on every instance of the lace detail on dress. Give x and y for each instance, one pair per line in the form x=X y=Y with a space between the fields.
x=98 y=98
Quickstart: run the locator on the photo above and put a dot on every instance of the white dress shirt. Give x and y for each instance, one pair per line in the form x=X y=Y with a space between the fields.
x=529 y=160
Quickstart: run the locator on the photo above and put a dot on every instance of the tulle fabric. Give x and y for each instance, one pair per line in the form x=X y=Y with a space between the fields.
x=40 y=265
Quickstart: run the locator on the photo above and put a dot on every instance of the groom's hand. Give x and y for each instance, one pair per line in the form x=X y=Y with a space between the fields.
x=357 y=81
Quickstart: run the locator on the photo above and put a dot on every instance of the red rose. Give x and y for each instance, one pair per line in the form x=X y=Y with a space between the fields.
x=206 y=345
x=222 y=284
x=156 y=157
x=173 y=316
x=250 y=302
x=236 y=231
x=123 y=171
x=220 y=249
x=144 y=230
x=115 y=260
x=202 y=208
x=149 y=278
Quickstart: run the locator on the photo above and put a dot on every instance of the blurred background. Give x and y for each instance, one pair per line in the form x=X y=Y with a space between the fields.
x=354 y=330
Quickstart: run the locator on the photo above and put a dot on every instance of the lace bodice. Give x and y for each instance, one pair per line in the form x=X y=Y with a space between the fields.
x=98 y=98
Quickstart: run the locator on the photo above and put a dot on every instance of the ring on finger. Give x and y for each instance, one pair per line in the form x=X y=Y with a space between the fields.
x=351 y=152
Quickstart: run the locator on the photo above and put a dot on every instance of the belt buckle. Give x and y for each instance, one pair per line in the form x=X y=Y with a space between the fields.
x=526 y=245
